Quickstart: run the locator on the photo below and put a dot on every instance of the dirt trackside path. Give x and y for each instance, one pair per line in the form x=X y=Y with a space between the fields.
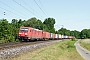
x=83 y=52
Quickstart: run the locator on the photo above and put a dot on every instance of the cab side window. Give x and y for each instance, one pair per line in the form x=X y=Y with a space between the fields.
x=30 y=30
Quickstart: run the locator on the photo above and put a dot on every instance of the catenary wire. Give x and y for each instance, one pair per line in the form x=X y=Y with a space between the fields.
x=24 y=7
x=13 y=8
x=10 y=11
x=30 y=7
x=43 y=7
x=40 y=8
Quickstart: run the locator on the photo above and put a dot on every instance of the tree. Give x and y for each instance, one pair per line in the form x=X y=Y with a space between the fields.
x=31 y=22
x=15 y=27
x=75 y=34
x=5 y=30
x=39 y=25
x=85 y=33
x=20 y=23
x=88 y=33
x=15 y=22
x=9 y=31
x=64 y=31
x=49 y=23
x=45 y=28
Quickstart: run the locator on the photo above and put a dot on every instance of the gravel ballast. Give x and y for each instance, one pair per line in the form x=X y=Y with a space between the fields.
x=12 y=52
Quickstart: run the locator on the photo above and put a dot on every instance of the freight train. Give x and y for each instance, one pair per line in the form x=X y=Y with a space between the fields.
x=29 y=33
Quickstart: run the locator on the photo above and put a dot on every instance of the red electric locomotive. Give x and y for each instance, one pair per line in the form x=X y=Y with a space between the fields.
x=28 y=33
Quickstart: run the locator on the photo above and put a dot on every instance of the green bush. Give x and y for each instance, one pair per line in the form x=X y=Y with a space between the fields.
x=11 y=39
x=2 y=41
x=70 y=44
x=17 y=40
x=73 y=39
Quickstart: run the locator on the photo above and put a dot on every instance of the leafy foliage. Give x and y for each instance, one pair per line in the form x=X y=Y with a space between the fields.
x=49 y=24
x=73 y=39
x=64 y=31
x=9 y=31
x=85 y=33
x=6 y=31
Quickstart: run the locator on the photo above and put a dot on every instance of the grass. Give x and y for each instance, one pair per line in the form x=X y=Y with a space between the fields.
x=85 y=44
x=6 y=41
x=64 y=50
x=2 y=41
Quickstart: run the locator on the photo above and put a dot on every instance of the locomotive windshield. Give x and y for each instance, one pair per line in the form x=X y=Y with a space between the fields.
x=24 y=29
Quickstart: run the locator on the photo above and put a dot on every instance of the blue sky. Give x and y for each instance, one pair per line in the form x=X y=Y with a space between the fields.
x=72 y=14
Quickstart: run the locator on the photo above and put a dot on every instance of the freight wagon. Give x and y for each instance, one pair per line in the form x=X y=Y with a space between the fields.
x=46 y=35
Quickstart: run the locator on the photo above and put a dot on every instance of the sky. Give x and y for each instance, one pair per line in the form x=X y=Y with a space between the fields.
x=70 y=14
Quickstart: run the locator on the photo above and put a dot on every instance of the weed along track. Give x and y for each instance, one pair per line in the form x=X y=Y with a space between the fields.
x=7 y=51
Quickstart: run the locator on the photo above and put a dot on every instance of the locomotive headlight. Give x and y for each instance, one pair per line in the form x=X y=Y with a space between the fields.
x=25 y=33
x=20 y=33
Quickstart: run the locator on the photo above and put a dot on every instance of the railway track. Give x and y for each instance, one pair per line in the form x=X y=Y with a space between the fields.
x=10 y=50
x=18 y=44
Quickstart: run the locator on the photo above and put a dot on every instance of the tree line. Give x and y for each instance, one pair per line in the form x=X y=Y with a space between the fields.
x=9 y=31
